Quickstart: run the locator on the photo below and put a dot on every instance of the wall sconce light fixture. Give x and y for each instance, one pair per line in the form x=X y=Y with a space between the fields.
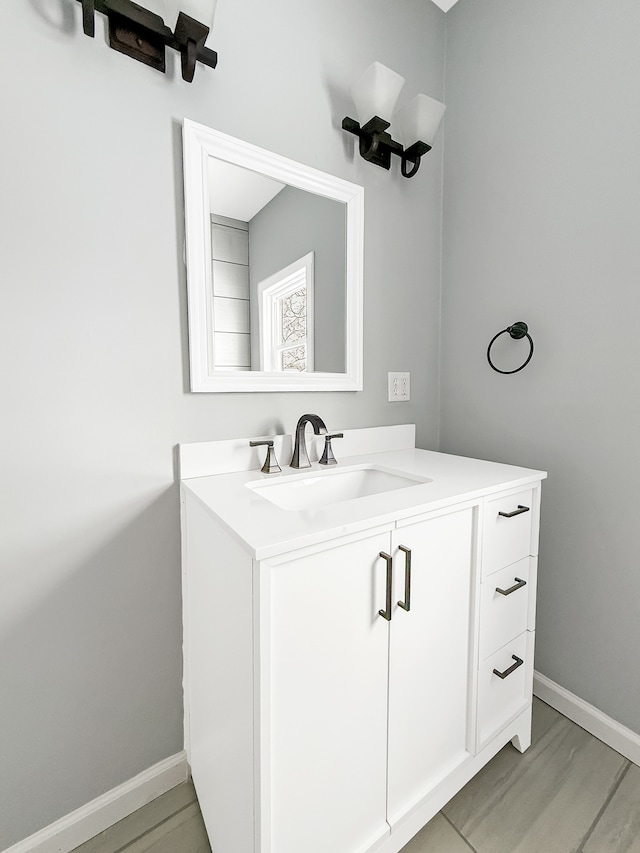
x=375 y=95
x=144 y=35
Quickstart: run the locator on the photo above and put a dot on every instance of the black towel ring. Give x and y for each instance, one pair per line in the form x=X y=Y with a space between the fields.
x=517 y=331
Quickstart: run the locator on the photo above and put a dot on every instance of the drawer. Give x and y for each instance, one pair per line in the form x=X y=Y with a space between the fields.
x=504 y=615
x=506 y=530
x=500 y=699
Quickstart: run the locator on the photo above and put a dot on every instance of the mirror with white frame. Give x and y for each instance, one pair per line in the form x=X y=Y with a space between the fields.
x=274 y=253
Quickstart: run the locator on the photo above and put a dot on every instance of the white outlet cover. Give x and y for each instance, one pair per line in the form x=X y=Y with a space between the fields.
x=399 y=387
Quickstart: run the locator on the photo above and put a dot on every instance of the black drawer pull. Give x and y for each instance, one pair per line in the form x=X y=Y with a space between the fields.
x=518 y=511
x=512 y=668
x=386 y=613
x=406 y=604
x=520 y=583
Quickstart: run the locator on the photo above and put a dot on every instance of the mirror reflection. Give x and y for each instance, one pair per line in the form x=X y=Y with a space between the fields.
x=274 y=256
x=278 y=273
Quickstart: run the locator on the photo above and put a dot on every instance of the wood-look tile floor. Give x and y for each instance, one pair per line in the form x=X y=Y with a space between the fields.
x=569 y=793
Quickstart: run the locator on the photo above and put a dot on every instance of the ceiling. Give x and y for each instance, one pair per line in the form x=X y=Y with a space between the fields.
x=445 y=5
x=238 y=193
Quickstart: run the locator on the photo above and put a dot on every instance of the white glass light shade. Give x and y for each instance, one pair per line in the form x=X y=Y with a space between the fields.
x=376 y=92
x=202 y=11
x=419 y=120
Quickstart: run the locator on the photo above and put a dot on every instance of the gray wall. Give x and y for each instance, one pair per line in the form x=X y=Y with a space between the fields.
x=94 y=351
x=293 y=224
x=542 y=207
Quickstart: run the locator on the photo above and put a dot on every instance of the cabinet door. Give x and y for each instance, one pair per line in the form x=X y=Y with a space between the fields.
x=324 y=761
x=429 y=658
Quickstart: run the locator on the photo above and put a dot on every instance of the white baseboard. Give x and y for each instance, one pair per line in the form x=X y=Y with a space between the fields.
x=614 y=734
x=94 y=817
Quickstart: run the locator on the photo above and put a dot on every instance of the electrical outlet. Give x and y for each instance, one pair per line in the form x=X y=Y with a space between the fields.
x=399 y=387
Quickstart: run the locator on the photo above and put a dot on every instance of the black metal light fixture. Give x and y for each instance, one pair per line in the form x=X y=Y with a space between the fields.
x=375 y=95
x=144 y=35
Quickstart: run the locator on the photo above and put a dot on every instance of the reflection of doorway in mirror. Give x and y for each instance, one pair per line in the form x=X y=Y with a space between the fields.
x=285 y=301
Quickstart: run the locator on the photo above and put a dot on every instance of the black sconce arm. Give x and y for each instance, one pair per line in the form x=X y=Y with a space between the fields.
x=377 y=146
x=189 y=38
x=412 y=155
x=144 y=36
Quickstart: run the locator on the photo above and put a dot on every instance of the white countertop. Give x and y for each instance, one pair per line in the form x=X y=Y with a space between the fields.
x=266 y=530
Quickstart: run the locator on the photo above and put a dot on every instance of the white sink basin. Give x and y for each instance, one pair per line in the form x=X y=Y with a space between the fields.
x=319 y=489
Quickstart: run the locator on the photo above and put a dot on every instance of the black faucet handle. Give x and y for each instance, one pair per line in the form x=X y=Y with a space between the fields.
x=327 y=456
x=270 y=463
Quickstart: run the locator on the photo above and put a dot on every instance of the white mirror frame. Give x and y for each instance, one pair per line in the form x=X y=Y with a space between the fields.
x=202 y=142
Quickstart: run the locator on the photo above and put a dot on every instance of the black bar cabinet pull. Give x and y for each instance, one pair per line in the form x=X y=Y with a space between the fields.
x=386 y=613
x=406 y=604
x=518 y=585
x=518 y=511
x=512 y=668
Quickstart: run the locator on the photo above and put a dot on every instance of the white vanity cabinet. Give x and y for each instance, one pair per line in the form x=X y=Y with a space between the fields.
x=358 y=704
x=338 y=693
x=507 y=609
x=323 y=699
x=429 y=657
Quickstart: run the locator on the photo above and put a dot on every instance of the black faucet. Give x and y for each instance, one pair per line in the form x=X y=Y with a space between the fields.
x=300 y=458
